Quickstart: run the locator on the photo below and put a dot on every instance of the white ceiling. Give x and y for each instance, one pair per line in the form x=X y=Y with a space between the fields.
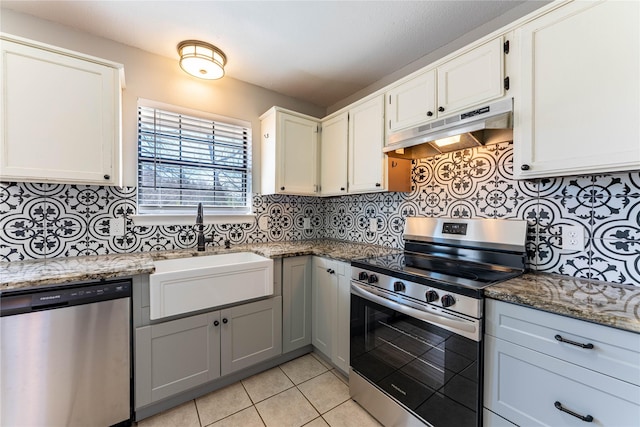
x=317 y=51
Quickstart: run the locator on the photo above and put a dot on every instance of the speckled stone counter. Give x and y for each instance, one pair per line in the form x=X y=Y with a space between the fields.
x=26 y=274
x=605 y=303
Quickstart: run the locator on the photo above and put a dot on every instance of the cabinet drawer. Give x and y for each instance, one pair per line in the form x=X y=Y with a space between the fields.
x=523 y=386
x=615 y=352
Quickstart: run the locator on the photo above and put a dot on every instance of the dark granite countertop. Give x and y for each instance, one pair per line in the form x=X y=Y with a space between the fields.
x=33 y=273
x=605 y=303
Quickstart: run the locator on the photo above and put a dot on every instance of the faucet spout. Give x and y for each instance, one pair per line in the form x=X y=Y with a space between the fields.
x=202 y=241
x=199 y=215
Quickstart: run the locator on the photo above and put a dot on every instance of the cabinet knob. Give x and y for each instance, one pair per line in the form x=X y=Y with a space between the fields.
x=341 y=188
x=225 y=321
x=281 y=188
x=266 y=136
x=441 y=109
x=216 y=323
x=107 y=177
x=525 y=167
x=378 y=184
x=330 y=271
x=429 y=113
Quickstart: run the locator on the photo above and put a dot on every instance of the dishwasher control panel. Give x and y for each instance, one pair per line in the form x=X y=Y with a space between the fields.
x=24 y=301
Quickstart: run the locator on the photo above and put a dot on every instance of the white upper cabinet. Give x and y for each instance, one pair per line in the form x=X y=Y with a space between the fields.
x=366 y=139
x=411 y=103
x=289 y=153
x=578 y=106
x=60 y=115
x=465 y=81
x=333 y=155
x=472 y=78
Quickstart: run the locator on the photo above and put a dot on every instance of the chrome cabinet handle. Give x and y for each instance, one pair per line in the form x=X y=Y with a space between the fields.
x=585 y=418
x=577 y=344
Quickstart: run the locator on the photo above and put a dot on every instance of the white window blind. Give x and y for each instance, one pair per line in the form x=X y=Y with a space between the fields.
x=184 y=159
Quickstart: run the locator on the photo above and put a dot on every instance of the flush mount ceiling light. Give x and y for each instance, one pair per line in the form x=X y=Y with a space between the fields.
x=201 y=59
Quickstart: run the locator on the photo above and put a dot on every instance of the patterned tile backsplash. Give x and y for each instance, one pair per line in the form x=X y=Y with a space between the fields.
x=50 y=220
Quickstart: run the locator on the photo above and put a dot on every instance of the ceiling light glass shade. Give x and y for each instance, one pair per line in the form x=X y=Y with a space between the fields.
x=202 y=59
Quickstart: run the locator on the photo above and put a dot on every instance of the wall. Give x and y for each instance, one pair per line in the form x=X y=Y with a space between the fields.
x=40 y=220
x=161 y=79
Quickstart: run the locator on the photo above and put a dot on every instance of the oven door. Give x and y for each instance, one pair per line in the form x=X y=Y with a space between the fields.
x=429 y=369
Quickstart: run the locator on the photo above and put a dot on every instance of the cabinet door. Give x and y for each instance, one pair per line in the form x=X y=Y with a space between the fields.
x=324 y=295
x=366 y=140
x=333 y=156
x=250 y=334
x=340 y=355
x=175 y=356
x=579 y=109
x=60 y=117
x=297 y=154
x=471 y=78
x=523 y=386
x=268 y=163
x=412 y=103
x=296 y=302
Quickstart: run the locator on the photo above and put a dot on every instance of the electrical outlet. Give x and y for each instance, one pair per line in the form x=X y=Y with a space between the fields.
x=263 y=223
x=306 y=223
x=373 y=225
x=117 y=226
x=573 y=237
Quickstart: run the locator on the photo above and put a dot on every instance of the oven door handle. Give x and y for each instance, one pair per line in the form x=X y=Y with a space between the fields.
x=467 y=328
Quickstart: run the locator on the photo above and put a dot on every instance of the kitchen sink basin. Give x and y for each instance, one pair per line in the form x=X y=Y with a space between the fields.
x=189 y=284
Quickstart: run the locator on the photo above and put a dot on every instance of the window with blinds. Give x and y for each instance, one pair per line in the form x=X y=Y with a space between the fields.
x=184 y=159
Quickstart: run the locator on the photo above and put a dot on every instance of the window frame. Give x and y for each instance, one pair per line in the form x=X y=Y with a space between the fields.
x=165 y=215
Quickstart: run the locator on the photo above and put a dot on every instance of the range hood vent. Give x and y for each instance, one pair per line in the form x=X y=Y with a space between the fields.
x=489 y=124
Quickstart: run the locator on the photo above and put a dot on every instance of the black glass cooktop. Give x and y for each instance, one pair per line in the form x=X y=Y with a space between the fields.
x=448 y=270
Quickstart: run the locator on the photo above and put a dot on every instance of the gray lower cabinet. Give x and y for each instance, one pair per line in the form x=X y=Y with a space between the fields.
x=543 y=369
x=331 y=308
x=325 y=294
x=296 y=302
x=175 y=356
x=250 y=334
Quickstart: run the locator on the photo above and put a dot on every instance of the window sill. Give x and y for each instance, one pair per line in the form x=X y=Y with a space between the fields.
x=177 y=219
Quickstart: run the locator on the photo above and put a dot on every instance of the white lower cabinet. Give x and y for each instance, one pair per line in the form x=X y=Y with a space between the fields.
x=536 y=385
x=175 y=356
x=330 y=310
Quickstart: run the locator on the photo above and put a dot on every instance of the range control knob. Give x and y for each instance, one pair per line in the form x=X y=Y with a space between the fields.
x=431 y=296
x=447 y=300
x=399 y=286
x=363 y=275
x=373 y=278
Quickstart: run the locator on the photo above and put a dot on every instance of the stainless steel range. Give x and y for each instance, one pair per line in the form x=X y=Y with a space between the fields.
x=416 y=320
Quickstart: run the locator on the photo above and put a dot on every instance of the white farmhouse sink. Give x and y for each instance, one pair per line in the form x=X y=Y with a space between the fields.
x=189 y=284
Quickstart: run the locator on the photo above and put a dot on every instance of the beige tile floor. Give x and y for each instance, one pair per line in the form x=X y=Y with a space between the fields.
x=306 y=391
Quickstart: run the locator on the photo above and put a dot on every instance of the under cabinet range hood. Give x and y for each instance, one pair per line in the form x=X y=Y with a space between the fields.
x=488 y=124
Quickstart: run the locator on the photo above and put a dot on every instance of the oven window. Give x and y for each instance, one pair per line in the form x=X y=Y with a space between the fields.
x=433 y=372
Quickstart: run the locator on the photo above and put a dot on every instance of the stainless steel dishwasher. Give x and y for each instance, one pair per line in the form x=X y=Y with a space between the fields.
x=66 y=355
